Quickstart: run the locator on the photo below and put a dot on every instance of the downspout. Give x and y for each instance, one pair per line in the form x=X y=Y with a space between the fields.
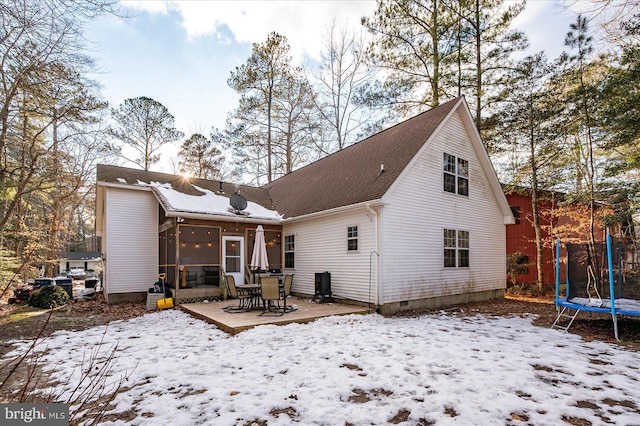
x=377 y=251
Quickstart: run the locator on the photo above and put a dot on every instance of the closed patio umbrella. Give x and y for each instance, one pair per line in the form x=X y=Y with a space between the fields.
x=259 y=259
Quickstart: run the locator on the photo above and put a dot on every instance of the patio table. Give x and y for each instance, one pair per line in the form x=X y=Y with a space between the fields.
x=254 y=291
x=261 y=275
x=256 y=295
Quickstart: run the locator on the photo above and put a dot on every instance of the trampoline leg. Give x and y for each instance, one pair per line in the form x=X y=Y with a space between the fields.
x=615 y=327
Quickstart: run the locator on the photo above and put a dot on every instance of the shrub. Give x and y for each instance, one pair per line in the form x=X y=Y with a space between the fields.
x=48 y=297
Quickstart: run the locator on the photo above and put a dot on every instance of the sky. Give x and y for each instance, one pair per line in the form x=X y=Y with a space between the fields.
x=442 y=368
x=182 y=53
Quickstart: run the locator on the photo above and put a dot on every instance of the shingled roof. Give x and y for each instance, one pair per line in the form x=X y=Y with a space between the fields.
x=353 y=175
x=160 y=181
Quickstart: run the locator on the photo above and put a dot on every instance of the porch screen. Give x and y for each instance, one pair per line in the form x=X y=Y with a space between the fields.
x=199 y=245
x=274 y=247
x=167 y=254
x=167 y=247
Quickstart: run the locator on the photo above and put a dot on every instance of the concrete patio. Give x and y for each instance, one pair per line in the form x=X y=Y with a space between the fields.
x=233 y=323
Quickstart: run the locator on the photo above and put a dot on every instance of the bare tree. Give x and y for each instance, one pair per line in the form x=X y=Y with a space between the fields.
x=45 y=103
x=343 y=74
x=35 y=38
x=614 y=16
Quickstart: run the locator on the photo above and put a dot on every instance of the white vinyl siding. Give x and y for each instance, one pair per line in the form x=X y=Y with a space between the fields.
x=416 y=212
x=321 y=246
x=130 y=241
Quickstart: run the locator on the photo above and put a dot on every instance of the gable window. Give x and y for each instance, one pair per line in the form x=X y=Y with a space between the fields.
x=289 y=254
x=456 y=174
x=352 y=238
x=456 y=248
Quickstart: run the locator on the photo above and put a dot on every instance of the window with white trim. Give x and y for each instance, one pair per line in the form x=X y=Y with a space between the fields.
x=456 y=248
x=456 y=174
x=289 y=251
x=352 y=238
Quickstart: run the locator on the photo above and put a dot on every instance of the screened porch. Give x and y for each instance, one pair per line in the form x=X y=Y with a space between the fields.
x=193 y=254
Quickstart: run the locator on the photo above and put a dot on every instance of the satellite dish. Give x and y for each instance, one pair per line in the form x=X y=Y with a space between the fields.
x=238 y=202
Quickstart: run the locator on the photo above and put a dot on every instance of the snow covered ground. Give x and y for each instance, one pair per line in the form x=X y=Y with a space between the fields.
x=436 y=369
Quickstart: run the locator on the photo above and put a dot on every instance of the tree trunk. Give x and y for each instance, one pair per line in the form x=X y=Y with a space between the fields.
x=269 y=153
x=435 y=82
x=478 y=64
x=534 y=204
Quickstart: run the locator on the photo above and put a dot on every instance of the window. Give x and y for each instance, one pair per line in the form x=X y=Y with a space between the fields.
x=456 y=248
x=456 y=175
x=289 y=254
x=449 y=248
x=352 y=238
x=463 y=249
x=515 y=210
x=517 y=264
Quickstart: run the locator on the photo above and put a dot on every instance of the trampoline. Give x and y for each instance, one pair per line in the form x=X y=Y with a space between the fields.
x=594 y=286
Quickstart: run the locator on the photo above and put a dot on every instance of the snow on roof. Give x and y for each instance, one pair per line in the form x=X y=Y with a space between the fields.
x=207 y=203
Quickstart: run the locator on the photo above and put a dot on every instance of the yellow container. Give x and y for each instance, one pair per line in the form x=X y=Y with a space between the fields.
x=165 y=303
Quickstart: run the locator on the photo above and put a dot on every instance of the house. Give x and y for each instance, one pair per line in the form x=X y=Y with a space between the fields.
x=88 y=261
x=521 y=238
x=411 y=217
x=570 y=222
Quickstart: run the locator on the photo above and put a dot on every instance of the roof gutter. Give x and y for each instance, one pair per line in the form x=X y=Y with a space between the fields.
x=191 y=215
x=125 y=186
x=238 y=218
x=337 y=210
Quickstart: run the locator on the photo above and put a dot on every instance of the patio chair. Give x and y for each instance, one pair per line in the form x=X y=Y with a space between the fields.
x=270 y=293
x=285 y=291
x=244 y=299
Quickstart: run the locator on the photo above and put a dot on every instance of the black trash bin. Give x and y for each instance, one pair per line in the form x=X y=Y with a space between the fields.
x=322 y=287
x=67 y=285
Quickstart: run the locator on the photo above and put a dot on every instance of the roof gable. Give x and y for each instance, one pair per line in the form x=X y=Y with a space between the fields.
x=359 y=173
x=363 y=172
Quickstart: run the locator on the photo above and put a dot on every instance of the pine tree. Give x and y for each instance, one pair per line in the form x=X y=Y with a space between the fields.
x=529 y=124
x=274 y=123
x=200 y=158
x=581 y=78
x=144 y=125
x=413 y=47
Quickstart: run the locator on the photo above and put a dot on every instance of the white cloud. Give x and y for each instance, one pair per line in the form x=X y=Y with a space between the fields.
x=304 y=23
x=151 y=6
